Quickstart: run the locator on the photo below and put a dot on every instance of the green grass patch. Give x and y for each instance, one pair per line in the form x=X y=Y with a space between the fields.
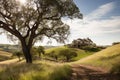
x=80 y=53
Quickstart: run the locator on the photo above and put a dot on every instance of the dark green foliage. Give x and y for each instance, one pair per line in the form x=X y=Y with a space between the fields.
x=30 y=22
x=68 y=54
x=53 y=55
x=19 y=54
x=62 y=54
x=91 y=48
x=115 y=43
x=41 y=50
x=37 y=51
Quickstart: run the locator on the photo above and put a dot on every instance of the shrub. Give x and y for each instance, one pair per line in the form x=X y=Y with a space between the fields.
x=68 y=54
x=41 y=50
x=19 y=54
x=53 y=55
x=37 y=51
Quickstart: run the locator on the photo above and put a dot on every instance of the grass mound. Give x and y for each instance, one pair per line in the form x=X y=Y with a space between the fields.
x=5 y=55
x=108 y=59
x=80 y=53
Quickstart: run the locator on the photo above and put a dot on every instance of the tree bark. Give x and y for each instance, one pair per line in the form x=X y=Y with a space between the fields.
x=26 y=51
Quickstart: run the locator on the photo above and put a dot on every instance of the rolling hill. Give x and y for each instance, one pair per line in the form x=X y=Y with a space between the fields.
x=108 y=59
x=80 y=53
x=4 y=55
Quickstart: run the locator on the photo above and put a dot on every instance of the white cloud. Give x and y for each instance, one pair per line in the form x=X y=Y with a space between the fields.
x=101 y=11
x=90 y=24
x=93 y=24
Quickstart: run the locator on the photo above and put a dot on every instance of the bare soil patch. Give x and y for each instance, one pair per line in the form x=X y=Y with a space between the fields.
x=81 y=72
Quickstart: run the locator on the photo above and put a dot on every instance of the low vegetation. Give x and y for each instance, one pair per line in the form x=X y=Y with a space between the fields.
x=66 y=54
x=40 y=70
x=107 y=59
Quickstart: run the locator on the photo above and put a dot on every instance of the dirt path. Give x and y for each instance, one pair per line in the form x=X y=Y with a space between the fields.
x=81 y=72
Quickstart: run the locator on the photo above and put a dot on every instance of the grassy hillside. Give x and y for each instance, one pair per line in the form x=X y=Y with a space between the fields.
x=108 y=59
x=5 y=55
x=80 y=53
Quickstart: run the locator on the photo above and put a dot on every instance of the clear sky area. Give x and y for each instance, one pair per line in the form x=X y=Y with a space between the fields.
x=101 y=22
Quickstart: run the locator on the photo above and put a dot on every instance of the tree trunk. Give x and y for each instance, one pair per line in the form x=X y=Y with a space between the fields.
x=26 y=52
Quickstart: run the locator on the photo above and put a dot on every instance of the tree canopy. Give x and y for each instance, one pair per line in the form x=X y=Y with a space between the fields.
x=35 y=19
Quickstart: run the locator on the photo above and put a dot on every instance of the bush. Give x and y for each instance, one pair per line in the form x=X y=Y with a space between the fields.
x=64 y=54
x=19 y=54
x=53 y=55
x=41 y=50
x=68 y=54
x=37 y=51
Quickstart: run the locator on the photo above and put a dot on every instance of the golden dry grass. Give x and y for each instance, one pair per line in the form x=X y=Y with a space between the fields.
x=107 y=59
x=5 y=55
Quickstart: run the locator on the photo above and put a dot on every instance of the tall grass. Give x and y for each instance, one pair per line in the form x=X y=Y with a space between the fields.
x=61 y=73
x=36 y=71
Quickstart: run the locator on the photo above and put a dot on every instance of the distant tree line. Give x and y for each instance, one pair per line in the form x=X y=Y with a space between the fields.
x=114 y=43
x=8 y=47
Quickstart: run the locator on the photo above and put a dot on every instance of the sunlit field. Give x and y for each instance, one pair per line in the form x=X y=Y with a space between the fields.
x=59 y=40
x=39 y=70
x=107 y=59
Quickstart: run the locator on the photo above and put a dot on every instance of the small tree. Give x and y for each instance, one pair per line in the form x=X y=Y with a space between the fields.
x=53 y=54
x=40 y=50
x=18 y=54
x=68 y=54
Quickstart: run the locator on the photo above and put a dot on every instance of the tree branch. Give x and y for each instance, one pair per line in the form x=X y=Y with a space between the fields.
x=7 y=28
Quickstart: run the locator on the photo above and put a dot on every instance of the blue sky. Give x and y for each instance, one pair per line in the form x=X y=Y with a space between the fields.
x=101 y=22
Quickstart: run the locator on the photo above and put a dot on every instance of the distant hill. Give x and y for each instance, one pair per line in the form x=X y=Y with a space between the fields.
x=11 y=48
x=48 y=47
x=4 y=55
x=108 y=59
x=8 y=47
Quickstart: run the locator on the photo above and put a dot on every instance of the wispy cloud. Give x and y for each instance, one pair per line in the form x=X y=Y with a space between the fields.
x=101 y=11
x=93 y=24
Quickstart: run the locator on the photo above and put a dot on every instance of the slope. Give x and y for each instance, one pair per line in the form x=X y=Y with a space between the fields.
x=80 y=53
x=108 y=59
x=5 y=55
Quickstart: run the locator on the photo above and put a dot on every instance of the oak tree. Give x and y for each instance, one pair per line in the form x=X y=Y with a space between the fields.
x=35 y=19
